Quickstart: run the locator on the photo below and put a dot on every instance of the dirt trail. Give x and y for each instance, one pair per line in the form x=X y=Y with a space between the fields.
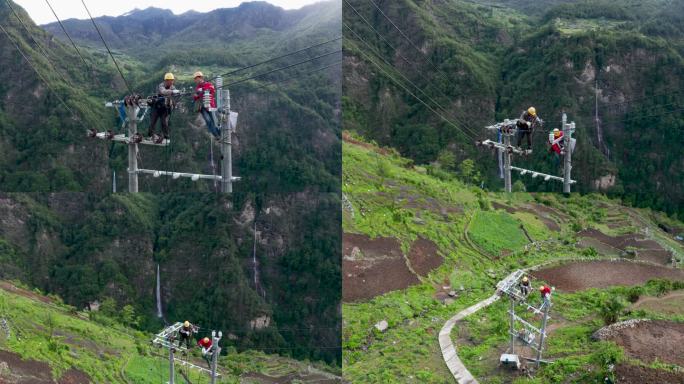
x=672 y=303
x=602 y=274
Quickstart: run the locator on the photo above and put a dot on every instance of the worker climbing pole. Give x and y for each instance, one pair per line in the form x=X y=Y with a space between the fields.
x=214 y=106
x=516 y=127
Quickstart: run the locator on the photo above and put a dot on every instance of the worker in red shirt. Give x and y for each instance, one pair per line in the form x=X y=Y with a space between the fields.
x=546 y=295
x=557 y=142
x=205 y=346
x=207 y=115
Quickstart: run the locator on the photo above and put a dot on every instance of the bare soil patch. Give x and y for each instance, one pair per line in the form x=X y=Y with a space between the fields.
x=9 y=287
x=371 y=267
x=654 y=340
x=633 y=374
x=602 y=274
x=260 y=378
x=424 y=257
x=646 y=249
x=346 y=137
x=74 y=376
x=23 y=371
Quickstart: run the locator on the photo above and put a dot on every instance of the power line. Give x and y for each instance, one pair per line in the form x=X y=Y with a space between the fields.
x=273 y=70
x=420 y=73
x=130 y=90
x=439 y=106
x=67 y=35
x=41 y=76
x=408 y=90
x=280 y=57
x=40 y=47
x=298 y=75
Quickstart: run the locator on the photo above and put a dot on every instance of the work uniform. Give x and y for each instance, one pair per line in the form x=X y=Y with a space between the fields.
x=526 y=124
x=206 y=348
x=546 y=296
x=207 y=115
x=525 y=287
x=185 y=335
x=161 y=109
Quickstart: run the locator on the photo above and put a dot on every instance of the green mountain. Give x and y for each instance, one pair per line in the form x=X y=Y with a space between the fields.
x=221 y=264
x=420 y=245
x=45 y=341
x=486 y=61
x=288 y=130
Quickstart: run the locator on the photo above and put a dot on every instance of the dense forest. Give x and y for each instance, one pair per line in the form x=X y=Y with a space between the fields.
x=481 y=62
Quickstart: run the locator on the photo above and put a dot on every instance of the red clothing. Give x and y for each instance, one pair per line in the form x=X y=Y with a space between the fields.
x=545 y=290
x=557 y=147
x=199 y=92
x=204 y=345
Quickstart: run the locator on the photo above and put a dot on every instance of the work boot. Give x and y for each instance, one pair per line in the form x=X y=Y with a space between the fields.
x=158 y=139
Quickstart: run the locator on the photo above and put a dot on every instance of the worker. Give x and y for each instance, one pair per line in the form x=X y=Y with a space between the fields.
x=525 y=286
x=545 y=292
x=526 y=123
x=185 y=332
x=205 y=346
x=208 y=116
x=557 y=145
x=162 y=105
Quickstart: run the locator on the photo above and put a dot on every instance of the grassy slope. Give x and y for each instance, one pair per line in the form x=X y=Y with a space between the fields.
x=376 y=183
x=64 y=338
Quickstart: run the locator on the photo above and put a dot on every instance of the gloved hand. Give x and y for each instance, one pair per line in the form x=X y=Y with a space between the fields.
x=176 y=91
x=529 y=124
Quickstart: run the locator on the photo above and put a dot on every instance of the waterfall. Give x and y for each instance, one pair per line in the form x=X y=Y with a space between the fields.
x=158 y=293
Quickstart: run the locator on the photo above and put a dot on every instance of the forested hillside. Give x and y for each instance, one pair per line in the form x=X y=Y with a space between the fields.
x=221 y=266
x=481 y=62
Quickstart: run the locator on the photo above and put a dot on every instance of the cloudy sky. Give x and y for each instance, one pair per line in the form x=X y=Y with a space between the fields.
x=67 y=9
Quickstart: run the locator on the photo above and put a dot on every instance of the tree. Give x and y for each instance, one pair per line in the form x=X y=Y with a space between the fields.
x=447 y=160
x=468 y=171
x=611 y=309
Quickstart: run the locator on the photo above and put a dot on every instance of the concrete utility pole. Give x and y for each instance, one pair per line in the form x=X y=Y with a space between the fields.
x=568 y=129
x=507 y=164
x=215 y=338
x=223 y=104
x=132 y=116
x=172 y=368
x=542 y=334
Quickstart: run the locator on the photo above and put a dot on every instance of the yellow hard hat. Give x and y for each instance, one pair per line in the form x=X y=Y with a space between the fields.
x=198 y=74
x=206 y=339
x=186 y=324
x=541 y=287
x=556 y=132
x=532 y=111
x=525 y=278
x=168 y=76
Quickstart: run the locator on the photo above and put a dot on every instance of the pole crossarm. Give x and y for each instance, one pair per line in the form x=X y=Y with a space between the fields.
x=122 y=138
x=193 y=366
x=545 y=176
x=176 y=175
x=494 y=145
x=166 y=336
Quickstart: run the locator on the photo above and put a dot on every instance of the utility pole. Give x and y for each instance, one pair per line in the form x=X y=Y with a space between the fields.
x=132 y=116
x=507 y=164
x=568 y=129
x=542 y=334
x=223 y=104
x=172 y=368
x=215 y=338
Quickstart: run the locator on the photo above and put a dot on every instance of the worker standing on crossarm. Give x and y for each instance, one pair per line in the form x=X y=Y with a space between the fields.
x=207 y=115
x=185 y=334
x=525 y=286
x=162 y=105
x=205 y=345
x=526 y=124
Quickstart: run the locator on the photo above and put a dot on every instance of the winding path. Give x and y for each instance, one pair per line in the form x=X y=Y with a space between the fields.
x=460 y=372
